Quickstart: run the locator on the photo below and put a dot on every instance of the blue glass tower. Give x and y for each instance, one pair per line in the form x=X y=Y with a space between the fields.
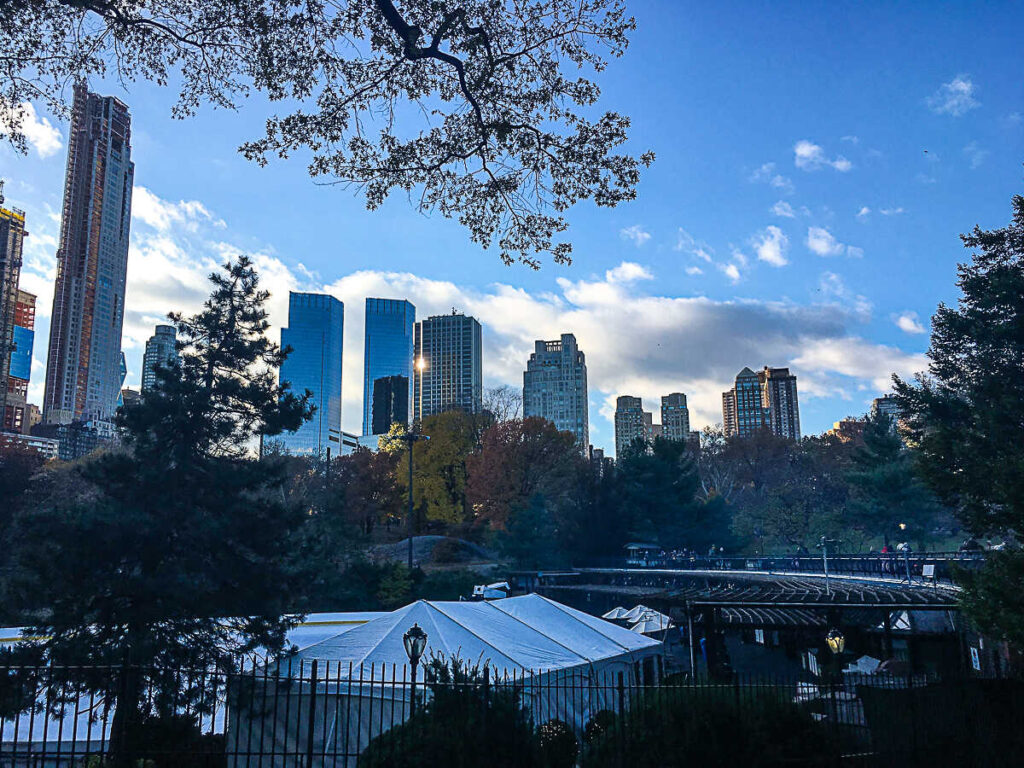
x=388 y=349
x=316 y=325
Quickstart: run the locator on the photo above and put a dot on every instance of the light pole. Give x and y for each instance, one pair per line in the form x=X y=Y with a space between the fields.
x=824 y=545
x=415 y=641
x=421 y=365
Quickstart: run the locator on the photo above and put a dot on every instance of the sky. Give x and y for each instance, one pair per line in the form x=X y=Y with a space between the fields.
x=816 y=163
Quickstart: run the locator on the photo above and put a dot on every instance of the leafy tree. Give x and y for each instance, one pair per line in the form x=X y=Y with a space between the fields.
x=657 y=490
x=477 y=104
x=179 y=554
x=966 y=413
x=530 y=537
x=19 y=465
x=518 y=459
x=886 y=491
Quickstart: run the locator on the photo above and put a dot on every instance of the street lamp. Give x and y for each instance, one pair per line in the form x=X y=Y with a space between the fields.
x=835 y=641
x=409 y=438
x=415 y=641
x=824 y=545
x=421 y=365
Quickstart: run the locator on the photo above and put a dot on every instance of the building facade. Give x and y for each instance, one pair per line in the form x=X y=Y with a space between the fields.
x=389 y=338
x=161 y=349
x=390 y=403
x=16 y=414
x=632 y=422
x=675 y=417
x=448 y=359
x=316 y=325
x=887 y=405
x=555 y=387
x=764 y=400
x=12 y=238
x=82 y=366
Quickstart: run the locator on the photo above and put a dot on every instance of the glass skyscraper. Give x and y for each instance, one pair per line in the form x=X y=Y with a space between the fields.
x=161 y=349
x=451 y=377
x=316 y=325
x=83 y=376
x=387 y=352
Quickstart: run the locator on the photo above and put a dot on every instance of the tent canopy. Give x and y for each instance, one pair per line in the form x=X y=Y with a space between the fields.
x=527 y=634
x=615 y=613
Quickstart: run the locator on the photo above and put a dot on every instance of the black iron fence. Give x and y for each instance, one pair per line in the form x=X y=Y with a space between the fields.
x=923 y=567
x=324 y=714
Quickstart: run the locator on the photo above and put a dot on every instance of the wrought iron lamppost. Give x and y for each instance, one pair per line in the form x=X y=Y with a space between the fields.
x=415 y=641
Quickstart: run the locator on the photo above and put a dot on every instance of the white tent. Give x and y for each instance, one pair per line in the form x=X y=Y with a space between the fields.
x=549 y=648
x=615 y=614
x=634 y=614
x=651 y=622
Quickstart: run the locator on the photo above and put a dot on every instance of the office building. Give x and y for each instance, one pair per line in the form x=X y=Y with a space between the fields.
x=448 y=359
x=779 y=400
x=161 y=350
x=632 y=423
x=16 y=416
x=12 y=237
x=555 y=387
x=675 y=417
x=387 y=352
x=390 y=403
x=316 y=324
x=886 y=405
x=83 y=378
x=764 y=400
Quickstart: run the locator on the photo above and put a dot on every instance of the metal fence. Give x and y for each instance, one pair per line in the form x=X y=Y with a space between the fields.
x=325 y=714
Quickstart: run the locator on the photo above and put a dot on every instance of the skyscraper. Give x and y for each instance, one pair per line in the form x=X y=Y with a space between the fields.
x=555 y=387
x=764 y=400
x=449 y=365
x=675 y=417
x=16 y=417
x=779 y=398
x=12 y=236
x=82 y=365
x=390 y=403
x=631 y=422
x=387 y=351
x=316 y=325
x=161 y=349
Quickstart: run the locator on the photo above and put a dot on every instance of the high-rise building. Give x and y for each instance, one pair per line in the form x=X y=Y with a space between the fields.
x=316 y=325
x=632 y=422
x=887 y=405
x=16 y=417
x=764 y=400
x=161 y=349
x=387 y=351
x=779 y=399
x=555 y=387
x=675 y=417
x=390 y=403
x=82 y=366
x=12 y=237
x=449 y=365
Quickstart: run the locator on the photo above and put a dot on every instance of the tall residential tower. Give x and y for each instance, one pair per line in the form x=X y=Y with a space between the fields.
x=387 y=352
x=12 y=237
x=449 y=365
x=316 y=325
x=83 y=363
x=555 y=387
x=161 y=349
x=763 y=400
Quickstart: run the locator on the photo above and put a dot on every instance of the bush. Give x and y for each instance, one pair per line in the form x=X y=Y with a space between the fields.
x=448 y=551
x=558 y=744
x=694 y=726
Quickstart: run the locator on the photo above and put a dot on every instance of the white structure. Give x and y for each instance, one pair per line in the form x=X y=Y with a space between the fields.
x=555 y=387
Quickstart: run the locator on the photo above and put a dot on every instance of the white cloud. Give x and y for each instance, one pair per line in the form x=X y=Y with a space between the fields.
x=908 y=323
x=40 y=132
x=863 y=213
x=687 y=243
x=771 y=245
x=694 y=270
x=833 y=287
x=731 y=271
x=890 y=211
x=809 y=156
x=162 y=214
x=857 y=358
x=851 y=139
x=636 y=233
x=627 y=272
x=975 y=155
x=823 y=243
x=955 y=97
x=784 y=209
x=766 y=174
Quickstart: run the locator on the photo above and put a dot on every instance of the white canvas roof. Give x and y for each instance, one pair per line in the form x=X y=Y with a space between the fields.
x=615 y=613
x=515 y=635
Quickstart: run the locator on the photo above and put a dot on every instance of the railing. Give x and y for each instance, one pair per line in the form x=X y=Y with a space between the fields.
x=894 y=565
x=326 y=715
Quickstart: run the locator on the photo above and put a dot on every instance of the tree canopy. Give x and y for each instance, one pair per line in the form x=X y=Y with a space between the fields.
x=475 y=109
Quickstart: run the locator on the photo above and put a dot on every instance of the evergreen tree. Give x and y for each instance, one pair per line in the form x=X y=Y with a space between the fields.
x=180 y=556
x=967 y=413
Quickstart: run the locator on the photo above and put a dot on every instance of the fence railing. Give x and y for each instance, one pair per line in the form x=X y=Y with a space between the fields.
x=894 y=565
x=324 y=714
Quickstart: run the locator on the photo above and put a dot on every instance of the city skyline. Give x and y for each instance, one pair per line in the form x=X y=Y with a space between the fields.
x=634 y=298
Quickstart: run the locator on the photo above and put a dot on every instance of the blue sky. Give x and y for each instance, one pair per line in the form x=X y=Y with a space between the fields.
x=793 y=216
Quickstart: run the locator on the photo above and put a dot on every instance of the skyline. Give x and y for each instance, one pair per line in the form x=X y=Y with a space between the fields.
x=836 y=314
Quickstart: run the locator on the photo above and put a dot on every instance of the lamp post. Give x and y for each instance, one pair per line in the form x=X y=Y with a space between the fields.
x=409 y=438
x=421 y=365
x=824 y=545
x=415 y=641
